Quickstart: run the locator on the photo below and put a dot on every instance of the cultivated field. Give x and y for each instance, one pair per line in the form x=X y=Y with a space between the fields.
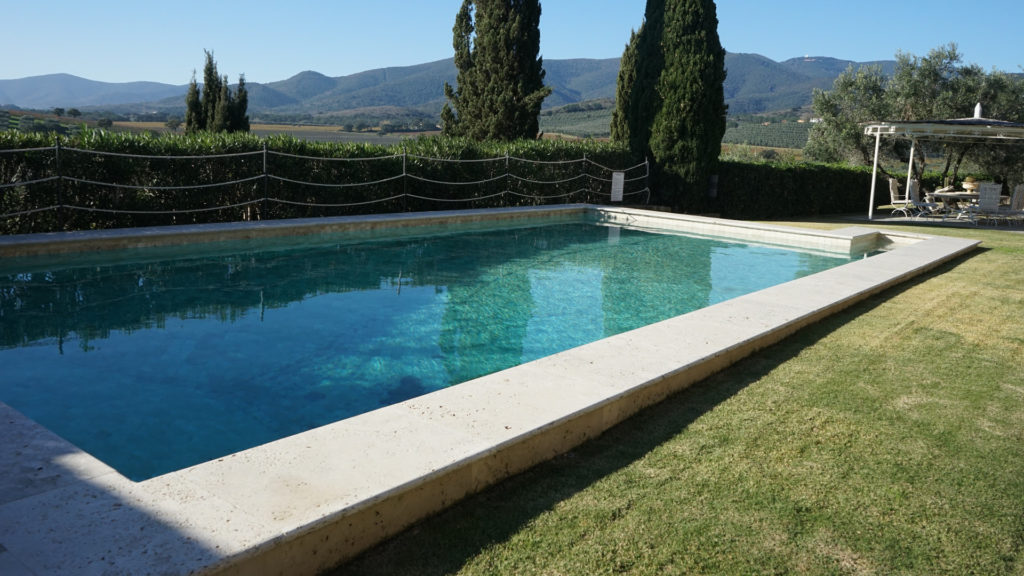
x=303 y=132
x=771 y=135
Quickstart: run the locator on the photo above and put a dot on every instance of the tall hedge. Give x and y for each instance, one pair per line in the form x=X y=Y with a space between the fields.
x=225 y=177
x=768 y=191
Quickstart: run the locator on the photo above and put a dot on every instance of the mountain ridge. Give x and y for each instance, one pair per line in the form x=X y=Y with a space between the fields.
x=754 y=84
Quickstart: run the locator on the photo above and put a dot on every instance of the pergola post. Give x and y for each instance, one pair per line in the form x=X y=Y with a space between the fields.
x=874 y=175
x=910 y=165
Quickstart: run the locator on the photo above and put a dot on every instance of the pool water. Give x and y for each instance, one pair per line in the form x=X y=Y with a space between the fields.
x=161 y=359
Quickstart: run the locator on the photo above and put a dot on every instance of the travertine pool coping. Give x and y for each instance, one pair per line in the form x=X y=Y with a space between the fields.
x=303 y=504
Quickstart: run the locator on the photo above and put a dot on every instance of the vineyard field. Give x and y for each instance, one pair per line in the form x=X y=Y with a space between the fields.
x=773 y=135
x=572 y=121
x=579 y=123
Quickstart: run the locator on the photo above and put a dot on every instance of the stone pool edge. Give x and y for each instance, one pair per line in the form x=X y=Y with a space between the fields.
x=54 y=243
x=305 y=503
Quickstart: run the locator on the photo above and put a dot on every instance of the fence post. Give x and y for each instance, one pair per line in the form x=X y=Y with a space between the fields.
x=60 y=183
x=584 y=173
x=647 y=179
x=266 y=184
x=405 y=181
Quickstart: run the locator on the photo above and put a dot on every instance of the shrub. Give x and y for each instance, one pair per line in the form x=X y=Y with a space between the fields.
x=770 y=191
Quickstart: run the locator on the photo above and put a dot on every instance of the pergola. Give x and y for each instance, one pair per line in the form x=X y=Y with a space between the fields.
x=976 y=129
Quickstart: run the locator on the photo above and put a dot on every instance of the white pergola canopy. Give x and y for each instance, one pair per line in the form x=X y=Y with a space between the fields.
x=976 y=129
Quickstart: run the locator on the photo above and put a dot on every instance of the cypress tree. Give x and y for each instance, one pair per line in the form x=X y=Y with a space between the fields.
x=686 y=135
x=462 y=99
x=216 y=108
x=674 y=111
x=194 y=120
x=644 y=99
x=528 y=68
x=222 y=112
x=211 y=91
x=492 y=72
x=501 y=76
x=624 y=91
x=240 y=107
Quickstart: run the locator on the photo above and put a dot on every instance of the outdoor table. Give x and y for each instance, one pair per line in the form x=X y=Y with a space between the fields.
x=953 y=199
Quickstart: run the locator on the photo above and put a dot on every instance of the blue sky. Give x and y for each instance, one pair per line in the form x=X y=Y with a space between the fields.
x=121 y=40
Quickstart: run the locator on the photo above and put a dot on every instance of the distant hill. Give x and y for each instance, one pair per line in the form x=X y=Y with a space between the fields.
x=830 y=68
x=66 y=91
x=754 y=84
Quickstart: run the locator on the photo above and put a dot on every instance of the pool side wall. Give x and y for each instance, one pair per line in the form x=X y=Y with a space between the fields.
x=55 y=243
x=303 y=504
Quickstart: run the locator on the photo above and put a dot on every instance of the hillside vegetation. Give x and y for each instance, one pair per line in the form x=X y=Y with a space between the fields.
x=413 y=94
x=389 y=103
x=590 y=119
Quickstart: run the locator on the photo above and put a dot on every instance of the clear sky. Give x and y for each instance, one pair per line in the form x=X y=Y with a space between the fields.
x=270 y=40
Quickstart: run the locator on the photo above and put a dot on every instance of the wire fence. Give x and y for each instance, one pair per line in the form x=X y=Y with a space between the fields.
x=66 y=188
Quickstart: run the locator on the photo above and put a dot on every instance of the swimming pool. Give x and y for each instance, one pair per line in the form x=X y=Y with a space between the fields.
x=302 y=504
x=158 y=359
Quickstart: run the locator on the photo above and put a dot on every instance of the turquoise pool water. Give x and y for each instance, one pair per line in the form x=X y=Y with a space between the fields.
x=154 y=360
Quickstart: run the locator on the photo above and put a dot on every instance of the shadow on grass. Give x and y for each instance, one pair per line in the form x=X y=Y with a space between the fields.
x=446 y=542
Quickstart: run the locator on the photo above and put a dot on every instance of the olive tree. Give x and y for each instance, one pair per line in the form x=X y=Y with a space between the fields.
x=934 y=87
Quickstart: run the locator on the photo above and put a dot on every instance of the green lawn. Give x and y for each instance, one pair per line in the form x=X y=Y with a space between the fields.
x=886 y=440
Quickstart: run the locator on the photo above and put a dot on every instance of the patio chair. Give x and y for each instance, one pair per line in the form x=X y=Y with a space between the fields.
x=920 y=208
x=899 y=200
x=987 y=207
x=1015 y=210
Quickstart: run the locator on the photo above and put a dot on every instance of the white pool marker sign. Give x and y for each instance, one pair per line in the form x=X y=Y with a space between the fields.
x=618 y=182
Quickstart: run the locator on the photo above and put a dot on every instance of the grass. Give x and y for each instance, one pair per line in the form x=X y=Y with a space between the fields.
x=886 y=440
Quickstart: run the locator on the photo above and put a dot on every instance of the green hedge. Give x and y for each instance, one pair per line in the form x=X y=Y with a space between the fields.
x=744 y=190
x=292 y=172
x=777 y=191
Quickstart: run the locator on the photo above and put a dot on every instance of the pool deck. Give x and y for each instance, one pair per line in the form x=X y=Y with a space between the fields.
x=303 y=504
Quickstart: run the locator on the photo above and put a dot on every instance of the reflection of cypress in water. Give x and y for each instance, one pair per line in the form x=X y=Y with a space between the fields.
x=486 y=320
x=92 y=301
x=89 y=301
x=673 y=276
x=86 y=302
x=485 y=323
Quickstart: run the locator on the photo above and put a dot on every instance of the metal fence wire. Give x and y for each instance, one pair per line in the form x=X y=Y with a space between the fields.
x=65 y=188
